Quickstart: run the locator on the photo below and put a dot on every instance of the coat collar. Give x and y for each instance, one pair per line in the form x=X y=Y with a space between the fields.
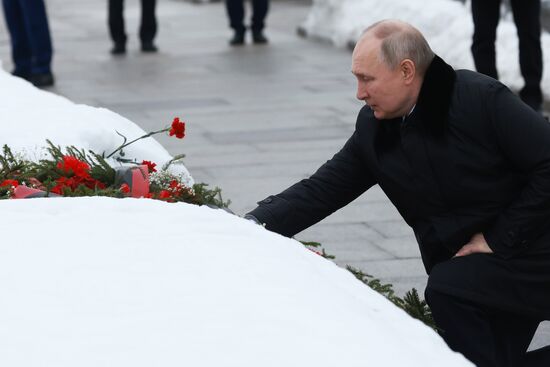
x=434 y=99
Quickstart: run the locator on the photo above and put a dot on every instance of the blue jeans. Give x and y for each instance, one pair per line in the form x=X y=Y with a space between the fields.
x=30 y=36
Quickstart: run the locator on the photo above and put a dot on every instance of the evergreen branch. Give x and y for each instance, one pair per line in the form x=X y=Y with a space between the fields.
x=176 y=158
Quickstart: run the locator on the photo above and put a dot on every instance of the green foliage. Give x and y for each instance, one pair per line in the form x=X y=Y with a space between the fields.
x=176 y=159
x=14 y=167
x=9 y=163
x=411 y=303
x=206 y=196
x=418 y=308
x=45 y=173
x=317 y=248
x=99 y=168
x=384 y=289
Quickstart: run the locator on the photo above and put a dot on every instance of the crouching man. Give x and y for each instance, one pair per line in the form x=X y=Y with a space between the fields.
x=467 y=164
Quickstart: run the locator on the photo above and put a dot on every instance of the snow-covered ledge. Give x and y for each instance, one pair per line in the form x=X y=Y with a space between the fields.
x=29 y=116
x=137 y=282
x=446 y=24
x=98 y=281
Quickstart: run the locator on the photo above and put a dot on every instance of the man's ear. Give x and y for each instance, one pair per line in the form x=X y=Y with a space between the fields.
x=408 y=70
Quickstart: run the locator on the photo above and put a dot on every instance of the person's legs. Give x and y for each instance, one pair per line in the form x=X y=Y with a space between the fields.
x=527 y=19
x=485 y=14
x=470 y=310
x=235 y=11
x=513 y=334
x=20 y=43
x=148 y=28
x=116 y=22
x=38 y=32
x=260 y=8
x=464 y=327
x=486 y=336
x=538 y=358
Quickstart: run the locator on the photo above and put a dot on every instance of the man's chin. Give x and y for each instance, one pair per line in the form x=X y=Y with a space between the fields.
x=384 y=115
x=380 y=115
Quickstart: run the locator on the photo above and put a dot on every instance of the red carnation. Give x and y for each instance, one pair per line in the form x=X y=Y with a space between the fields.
x=61 y=184
x=125 y=188
x=150 y=165
x=9 y=183
x=164 y=194
x=178 y=128
x=176 y=188
x=74 y=165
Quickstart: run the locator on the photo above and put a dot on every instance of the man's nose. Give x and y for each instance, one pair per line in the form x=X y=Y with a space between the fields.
x=362 y=92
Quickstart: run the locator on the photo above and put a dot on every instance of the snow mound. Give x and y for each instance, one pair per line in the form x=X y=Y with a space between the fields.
x=137 y=282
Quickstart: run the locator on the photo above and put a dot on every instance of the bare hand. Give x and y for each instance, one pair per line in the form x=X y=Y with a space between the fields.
x=477 y=244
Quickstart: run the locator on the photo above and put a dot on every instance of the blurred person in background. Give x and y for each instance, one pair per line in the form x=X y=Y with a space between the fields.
x=31 y=43
x=235 y=10
x=486 y=15
x=147 y=29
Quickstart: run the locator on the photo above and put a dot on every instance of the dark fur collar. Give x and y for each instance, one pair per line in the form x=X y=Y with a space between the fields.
x=434 y=100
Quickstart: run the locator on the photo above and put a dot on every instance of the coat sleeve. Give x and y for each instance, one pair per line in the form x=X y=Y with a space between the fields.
x=523 y=136
x=335 y=184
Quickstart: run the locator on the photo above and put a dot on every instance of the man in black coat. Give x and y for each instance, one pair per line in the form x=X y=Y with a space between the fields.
x=467 y=164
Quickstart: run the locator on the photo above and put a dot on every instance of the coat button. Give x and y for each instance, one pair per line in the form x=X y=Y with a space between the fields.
x=523 y=243
x=511 y=234
x=267 y=200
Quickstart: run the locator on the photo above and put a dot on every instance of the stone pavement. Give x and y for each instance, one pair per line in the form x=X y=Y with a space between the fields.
x=259 y=117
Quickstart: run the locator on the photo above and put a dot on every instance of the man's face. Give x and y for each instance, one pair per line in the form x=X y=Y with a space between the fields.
x=382 y=89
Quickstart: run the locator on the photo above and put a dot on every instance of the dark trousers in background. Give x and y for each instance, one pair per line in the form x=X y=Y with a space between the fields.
x=486 y=15
x=31 y=43
x=235 y=10
x=147 y=29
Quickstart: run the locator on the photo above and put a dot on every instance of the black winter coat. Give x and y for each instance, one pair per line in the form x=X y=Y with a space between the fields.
x=470 y=158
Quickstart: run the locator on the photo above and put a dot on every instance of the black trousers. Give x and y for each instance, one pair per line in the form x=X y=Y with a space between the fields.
x=486 y=15
x=147 y=29
x=235 y=10
x=490 y=324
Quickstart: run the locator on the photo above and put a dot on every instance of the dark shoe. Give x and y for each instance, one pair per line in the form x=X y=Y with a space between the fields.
x=238 y=39
x=23 y=75
x=42 y=80
x=258 y=37
x=148 y=47
x=118 y=49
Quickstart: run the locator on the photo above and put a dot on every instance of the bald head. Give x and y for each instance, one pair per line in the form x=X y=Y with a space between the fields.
x=389 y=62
x=398 y=41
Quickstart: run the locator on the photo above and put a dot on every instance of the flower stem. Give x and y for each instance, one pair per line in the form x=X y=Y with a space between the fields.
x=124 y=145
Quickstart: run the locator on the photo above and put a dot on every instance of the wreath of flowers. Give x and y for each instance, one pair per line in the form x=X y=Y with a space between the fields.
x=75 y=172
